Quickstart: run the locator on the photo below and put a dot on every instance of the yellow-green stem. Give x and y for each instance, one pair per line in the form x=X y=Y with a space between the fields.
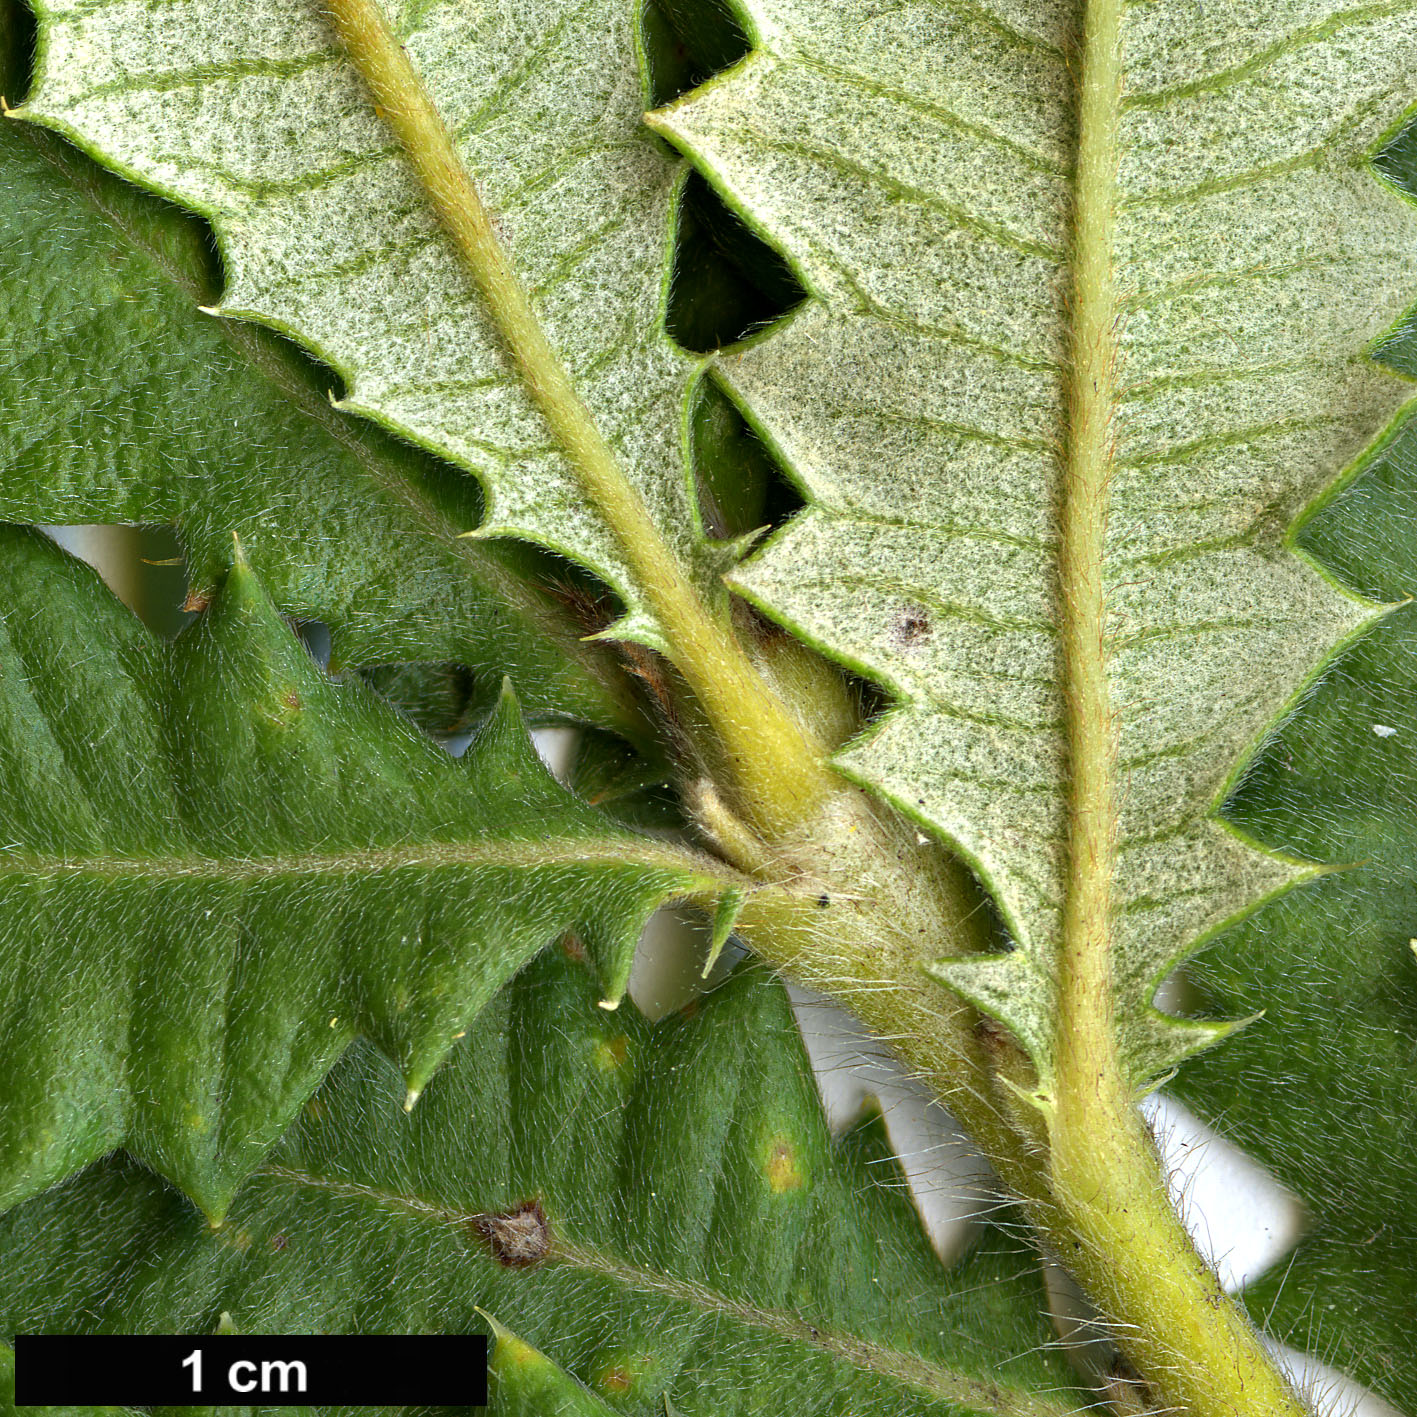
x=864 y=952
x=1096 y=1192
x=779 y=775
x=790 y=815
x=1121 y=1235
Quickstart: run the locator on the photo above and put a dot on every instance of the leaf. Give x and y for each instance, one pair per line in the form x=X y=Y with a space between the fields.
x=122 y=403
x=528 y=1384
x=974 y=380
x=258 y=120
x=707 y=1239
x=218 y=867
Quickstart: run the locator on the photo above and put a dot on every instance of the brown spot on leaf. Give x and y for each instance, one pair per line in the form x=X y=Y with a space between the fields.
x=616 y=1380
x=518 y=1238
x=197 y=601
x=279 y=1242
x=573 y=947
x=910 y=627
x=622 y=1372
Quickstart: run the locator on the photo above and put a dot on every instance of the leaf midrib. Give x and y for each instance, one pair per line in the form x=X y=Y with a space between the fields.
x=703 y=871
x=931 y=1379
x=1086 y=1045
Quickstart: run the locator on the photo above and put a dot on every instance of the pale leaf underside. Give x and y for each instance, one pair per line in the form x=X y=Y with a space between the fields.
x=253 y=115
x=914 y=164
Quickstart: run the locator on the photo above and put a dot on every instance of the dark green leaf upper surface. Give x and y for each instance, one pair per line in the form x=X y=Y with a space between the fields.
x=217 y=867
x=121 y=402
x=705 y=1239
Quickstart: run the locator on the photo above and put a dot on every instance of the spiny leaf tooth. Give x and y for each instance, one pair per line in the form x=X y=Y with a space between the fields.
x=729 y=554
x=636 y=628
x=611 y=943
x=1010 y=988
x=1174 y=895
x=526 y=1383
x=503 y=738
x=725 y=916
x=1155 y=1044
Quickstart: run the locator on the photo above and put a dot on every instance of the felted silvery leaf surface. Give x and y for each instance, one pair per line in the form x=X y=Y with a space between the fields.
x=918 y=169
x=918 y=173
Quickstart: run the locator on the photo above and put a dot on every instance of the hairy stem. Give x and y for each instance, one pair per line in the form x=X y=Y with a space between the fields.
x=780 y=776
x=782 y=814
x=1124 y=1239
x=870 y=902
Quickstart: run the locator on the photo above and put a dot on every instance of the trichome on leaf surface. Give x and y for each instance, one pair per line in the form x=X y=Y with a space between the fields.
x=951 y=463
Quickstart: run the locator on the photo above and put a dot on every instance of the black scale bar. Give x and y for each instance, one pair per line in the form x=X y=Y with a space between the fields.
x=376 y=1370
